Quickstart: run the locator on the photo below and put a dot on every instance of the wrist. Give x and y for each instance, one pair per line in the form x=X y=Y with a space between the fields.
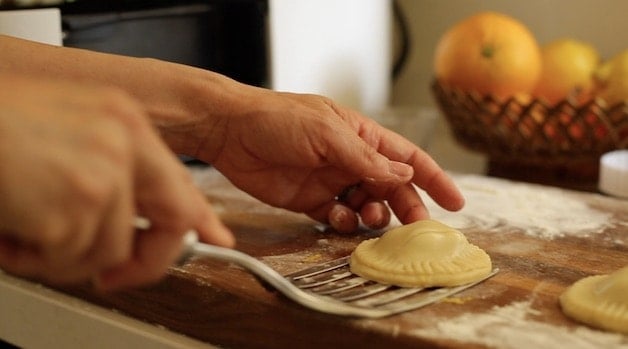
x=193 y=115
x=188 y=106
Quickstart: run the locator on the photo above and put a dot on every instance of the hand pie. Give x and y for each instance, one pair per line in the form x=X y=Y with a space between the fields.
x=422 y=254
x=600 y=301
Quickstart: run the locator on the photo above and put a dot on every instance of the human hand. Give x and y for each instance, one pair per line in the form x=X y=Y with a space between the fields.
x=79 y=163
x=301 y=152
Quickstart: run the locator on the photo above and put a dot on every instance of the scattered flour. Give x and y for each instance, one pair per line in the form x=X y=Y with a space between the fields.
x=512 y=327
x=538 y=211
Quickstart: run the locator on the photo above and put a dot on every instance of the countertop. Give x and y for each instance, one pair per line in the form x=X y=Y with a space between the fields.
x=542 y=238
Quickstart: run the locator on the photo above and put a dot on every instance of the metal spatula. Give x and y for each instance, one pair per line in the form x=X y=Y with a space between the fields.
x=330 y=287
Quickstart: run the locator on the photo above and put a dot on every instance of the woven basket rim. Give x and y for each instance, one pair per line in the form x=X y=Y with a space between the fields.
x=532 y=131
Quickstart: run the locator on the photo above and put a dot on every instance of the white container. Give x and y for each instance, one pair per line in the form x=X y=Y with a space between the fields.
x=41 y=25
x=614 y=173
x=414 y=123
x=339 y=49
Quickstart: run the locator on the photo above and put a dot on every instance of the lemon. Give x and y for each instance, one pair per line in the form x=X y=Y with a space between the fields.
x=612 y=78
x=568 y=69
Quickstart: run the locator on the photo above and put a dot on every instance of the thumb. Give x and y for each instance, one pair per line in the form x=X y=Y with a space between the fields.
x=211 y=230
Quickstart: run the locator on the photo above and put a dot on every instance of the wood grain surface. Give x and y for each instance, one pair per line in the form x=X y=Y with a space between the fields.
x=226 y=306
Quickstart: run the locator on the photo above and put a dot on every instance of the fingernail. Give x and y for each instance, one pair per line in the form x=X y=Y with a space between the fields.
x=339 y=215
x=401 y=170
x=97 y=282
x=342 y=219
x=223 y=237
x=102 y=283
x=228 y=240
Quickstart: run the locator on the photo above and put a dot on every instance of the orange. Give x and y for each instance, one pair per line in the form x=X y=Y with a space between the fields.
x=612 y=78
x=568 y=71
x=490 y=53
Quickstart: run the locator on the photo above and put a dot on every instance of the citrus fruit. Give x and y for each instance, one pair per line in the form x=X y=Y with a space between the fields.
x=612 y=78
x=490 y=53
x=568 y=67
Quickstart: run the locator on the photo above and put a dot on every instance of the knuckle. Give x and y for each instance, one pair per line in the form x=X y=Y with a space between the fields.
x=91 y=192
x=63 y=277
x=327 y=101
x=123 y=107
x=154 y=275
x=109 y=138
x=115 y=100
x=175 y=215
x=51 y=234
x=113 y=256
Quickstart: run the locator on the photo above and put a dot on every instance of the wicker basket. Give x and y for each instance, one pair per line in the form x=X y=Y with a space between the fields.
x=558 y=145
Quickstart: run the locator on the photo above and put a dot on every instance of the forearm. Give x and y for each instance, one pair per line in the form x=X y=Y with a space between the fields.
x=182 y=101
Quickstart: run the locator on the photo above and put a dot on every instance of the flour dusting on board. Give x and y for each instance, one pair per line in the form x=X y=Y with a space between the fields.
x=513 y=326
x=538 y=211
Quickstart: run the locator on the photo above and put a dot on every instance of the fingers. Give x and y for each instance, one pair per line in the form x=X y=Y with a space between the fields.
x=110 y=231
x=438 y=185
x=163 y=192
x=372 y=205
x=158 y=247
x=115 y=237
x=342 y=218
x=446 y=193
x=107 y=164
x=154 y=251
x=167 y=196
x=375 y=214
x=428 y=175
x=352 y=206
x=69 y=225
x=17 y=258
x=212 y=231
x=407 y=205
x=385 y=158
x=347 y=150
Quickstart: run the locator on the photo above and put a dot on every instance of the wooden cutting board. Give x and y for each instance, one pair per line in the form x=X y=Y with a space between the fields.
x=226 y=306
